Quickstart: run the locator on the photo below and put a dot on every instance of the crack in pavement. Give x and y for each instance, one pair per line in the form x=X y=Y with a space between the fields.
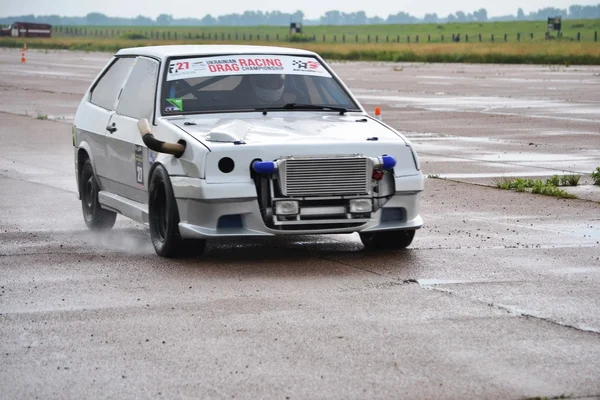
x=349 y=266
x=511 y=310
x=561 y=396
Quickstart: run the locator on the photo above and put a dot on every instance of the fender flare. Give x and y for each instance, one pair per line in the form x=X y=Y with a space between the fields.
x=155 y=165
x=85 y=146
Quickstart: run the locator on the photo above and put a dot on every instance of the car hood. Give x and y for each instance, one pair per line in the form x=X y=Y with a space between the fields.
x=288 y=128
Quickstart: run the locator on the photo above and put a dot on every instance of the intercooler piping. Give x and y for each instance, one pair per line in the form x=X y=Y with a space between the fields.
x=176 y=149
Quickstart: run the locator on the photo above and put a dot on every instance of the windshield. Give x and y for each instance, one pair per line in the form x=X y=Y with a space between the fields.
x=250 y=82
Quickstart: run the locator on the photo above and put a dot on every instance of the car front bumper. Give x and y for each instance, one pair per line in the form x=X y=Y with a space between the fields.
x=208 y=210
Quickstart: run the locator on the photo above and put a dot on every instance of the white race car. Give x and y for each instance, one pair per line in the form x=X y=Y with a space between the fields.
x=203 y=142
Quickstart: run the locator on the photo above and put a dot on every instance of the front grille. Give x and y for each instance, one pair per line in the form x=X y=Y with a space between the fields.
x=339 y=176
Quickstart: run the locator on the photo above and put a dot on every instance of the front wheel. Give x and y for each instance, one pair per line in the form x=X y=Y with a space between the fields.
x=387 y=239
x=164 y=219
x=95 y=217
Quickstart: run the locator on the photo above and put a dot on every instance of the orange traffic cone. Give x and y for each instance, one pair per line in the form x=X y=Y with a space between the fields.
x=378 y=113
x=23 y=59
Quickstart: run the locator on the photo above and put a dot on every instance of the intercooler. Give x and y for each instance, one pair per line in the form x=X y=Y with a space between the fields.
x=332 y=176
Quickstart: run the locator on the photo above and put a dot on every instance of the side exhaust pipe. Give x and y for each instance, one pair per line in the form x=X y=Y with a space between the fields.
x=176 y=149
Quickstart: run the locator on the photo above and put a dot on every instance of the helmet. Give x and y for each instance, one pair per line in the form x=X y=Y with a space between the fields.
x=268 y=87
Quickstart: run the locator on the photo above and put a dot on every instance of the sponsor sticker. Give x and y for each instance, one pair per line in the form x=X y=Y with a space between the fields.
x=199 y=65
x=176 y=104
x=244 y=65
x=139 y=164
x=300 y=65
x=150 y=157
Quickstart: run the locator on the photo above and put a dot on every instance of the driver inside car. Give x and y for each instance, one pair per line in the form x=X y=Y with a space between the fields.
x=252 y=91
x=265 y=90
x=268 y=89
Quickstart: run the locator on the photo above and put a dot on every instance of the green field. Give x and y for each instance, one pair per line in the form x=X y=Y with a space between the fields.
x=423 y=33
x=514 y=42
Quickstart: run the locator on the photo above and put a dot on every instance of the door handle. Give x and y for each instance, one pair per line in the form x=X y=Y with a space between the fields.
x=111 y=128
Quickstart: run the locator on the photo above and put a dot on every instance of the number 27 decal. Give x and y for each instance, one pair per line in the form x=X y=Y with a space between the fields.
x=140 y=174
x=179 y=66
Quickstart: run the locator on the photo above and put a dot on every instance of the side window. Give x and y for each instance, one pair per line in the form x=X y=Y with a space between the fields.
x=108 y=87
x=137 y=98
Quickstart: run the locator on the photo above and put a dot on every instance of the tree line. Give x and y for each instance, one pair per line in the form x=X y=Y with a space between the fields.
x=334 y=17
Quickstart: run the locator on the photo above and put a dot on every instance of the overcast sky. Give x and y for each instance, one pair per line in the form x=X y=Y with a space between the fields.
x=312 y=8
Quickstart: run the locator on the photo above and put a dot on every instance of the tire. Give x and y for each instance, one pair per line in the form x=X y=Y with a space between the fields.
x=387 y=239
x=164 y=219
x=95 y=217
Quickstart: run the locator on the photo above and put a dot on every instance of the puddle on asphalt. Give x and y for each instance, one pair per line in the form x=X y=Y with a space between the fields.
x=590 y=233
x=510 y=79
x=531 y=157
x=486 y=104
x=46 y=64
x=67 y=74
x=464 y=139
x=436 y=83
x=423 y=135
x=563 y=133
x=471 y=101
x=61 y=118
x=558 y=118
x=476 y=175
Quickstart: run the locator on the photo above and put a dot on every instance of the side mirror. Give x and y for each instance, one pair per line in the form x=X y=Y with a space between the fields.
x=176 y=149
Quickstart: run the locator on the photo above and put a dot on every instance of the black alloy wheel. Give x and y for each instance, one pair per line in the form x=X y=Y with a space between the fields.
x=164 y=219
x=95 y=217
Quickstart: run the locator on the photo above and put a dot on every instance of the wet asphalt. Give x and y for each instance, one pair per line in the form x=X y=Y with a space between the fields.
x=496 y=298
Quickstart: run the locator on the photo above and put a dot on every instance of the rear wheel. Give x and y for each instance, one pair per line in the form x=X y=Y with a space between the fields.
x=164 y=219
x=95 y=217
x=387 y=239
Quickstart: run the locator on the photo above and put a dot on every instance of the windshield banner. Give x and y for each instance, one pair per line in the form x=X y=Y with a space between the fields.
x=244 y=65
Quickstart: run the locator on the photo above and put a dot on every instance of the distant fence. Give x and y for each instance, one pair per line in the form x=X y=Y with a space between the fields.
x=140 y=34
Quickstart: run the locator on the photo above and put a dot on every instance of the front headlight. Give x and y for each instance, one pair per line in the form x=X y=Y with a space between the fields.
x=360 y=206
x=286 y=207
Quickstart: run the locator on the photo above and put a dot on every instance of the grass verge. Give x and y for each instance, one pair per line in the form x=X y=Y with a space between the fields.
x=547 y=188
x=596 y=176
x=542 y=52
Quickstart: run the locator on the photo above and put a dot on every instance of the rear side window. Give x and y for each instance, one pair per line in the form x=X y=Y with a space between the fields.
x=137 y=98
x=108 y=87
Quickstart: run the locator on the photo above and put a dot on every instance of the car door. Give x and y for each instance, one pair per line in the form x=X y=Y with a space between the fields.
x=125 y=149
x=95 y=112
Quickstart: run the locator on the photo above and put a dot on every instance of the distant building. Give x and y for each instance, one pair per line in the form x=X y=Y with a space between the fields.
x=27 y=29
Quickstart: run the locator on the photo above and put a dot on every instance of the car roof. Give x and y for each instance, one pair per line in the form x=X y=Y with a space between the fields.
x=163 y=52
